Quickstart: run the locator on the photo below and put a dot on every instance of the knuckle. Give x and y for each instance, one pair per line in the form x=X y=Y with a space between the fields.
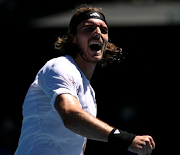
x=147 y=139
x=150 y=137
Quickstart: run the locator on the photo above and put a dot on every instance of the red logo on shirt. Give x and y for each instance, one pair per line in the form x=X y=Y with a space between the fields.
x=74 y=83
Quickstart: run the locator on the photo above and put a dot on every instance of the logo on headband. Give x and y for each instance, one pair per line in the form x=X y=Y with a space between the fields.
x=95 y=14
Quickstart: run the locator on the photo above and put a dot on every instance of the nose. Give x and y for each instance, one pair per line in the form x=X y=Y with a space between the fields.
x=97 y=32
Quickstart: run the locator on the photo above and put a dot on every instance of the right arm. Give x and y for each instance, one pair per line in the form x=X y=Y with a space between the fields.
x=79 y=121
x=84 y=124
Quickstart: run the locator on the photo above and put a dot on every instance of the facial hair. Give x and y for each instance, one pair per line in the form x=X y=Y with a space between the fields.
x=85 y=55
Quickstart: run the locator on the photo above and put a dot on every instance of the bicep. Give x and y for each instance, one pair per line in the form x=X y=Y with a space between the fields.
x=65 y=104
x=79 y=121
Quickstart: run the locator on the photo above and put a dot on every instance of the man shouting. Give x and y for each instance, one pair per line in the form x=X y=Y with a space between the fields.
x=59 y=111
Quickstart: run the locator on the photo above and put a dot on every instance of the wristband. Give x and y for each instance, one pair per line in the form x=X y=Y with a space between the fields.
x=121 y=138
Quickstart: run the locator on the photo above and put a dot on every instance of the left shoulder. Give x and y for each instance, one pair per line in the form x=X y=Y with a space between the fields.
x=64 y=65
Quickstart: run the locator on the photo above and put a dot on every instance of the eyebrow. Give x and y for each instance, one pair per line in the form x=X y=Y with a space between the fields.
x=92 y=24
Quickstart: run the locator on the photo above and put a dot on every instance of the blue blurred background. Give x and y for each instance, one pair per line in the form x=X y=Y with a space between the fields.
x=138 y=95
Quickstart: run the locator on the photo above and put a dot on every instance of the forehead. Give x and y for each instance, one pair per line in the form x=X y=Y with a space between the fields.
x=93 y=22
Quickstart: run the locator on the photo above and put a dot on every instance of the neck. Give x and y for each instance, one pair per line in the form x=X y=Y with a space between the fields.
x=86 y=67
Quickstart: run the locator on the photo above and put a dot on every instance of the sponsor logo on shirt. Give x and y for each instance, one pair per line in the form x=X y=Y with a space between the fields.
x=74 y=83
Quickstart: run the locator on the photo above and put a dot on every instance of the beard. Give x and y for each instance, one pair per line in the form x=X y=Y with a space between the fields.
x=86 y=57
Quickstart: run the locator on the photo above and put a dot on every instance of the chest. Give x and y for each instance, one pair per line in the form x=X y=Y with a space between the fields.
x=86 y=97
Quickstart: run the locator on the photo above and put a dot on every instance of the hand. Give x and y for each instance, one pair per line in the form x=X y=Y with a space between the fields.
x=142 y=145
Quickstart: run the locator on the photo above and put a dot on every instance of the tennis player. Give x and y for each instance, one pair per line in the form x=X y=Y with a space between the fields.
x=59 y=111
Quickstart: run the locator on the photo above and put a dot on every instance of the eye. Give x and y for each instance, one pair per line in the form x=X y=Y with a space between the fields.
x=104 y=30
x=89 y=29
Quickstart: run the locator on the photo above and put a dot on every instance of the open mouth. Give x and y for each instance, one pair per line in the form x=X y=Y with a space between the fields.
x=95 y=46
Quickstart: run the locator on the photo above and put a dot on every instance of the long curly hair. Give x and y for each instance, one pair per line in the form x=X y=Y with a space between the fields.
x=66 y=47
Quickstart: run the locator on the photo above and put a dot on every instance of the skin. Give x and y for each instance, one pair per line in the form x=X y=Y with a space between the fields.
x=91 y=30
x=68 y=107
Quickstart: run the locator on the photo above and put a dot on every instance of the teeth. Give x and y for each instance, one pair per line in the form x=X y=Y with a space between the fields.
x=97 y=43
x=95 y=46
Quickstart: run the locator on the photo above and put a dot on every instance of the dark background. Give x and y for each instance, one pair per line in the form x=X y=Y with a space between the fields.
x=138 y=95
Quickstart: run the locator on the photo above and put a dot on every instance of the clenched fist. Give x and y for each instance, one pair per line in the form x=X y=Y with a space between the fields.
x=142 y=145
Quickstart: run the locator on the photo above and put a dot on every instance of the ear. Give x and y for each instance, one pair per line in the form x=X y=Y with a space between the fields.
x=73 y=38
